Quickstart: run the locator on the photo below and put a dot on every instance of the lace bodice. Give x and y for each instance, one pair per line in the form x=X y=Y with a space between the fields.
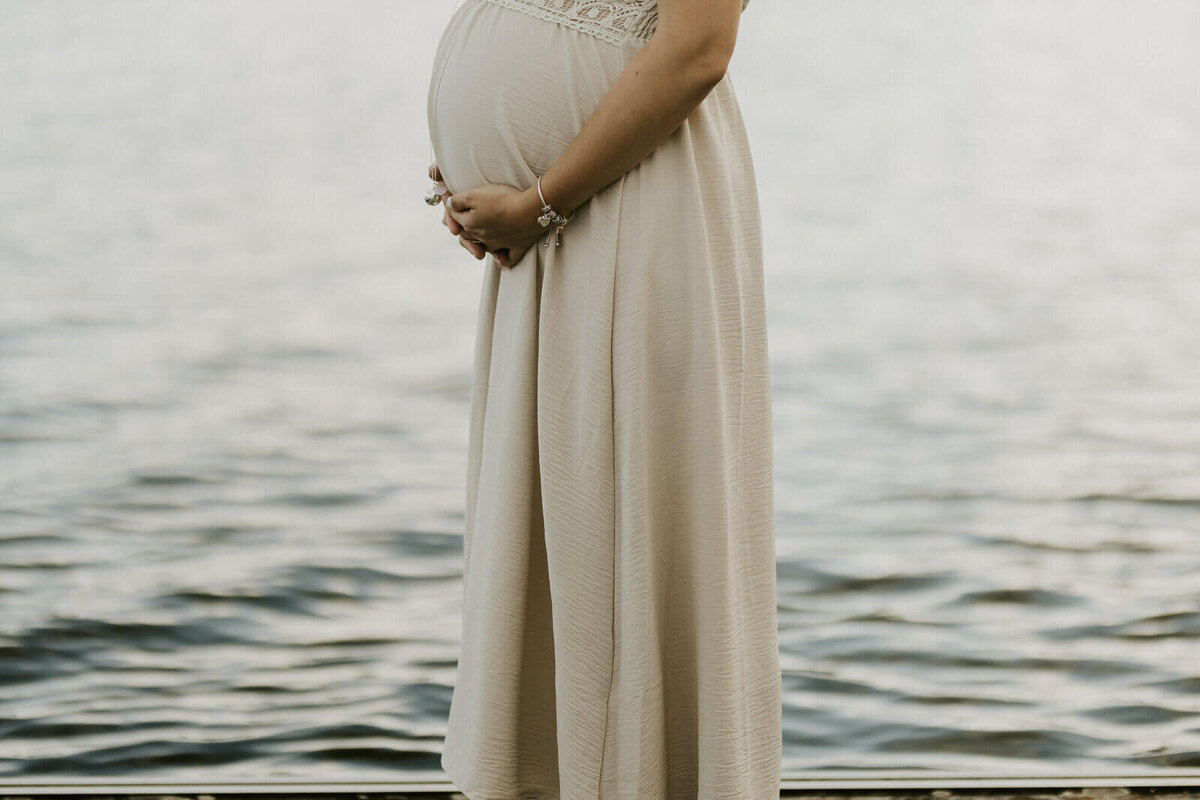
x=616 y=21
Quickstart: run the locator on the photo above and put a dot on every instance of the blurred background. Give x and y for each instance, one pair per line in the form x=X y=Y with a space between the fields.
x=235 y=356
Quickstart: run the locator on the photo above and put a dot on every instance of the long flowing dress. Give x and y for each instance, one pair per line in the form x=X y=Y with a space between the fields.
x=619 y=628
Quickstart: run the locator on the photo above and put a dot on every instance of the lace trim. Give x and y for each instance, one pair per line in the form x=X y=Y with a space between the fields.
x=615 y=21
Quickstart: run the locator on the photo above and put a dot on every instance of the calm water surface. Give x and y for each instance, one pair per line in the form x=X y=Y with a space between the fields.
x=234 y=382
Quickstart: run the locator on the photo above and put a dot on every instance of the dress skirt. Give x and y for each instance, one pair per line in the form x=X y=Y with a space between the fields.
x=619 y=627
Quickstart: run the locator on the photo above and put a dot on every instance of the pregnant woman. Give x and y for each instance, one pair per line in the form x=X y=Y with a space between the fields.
x=619 y=636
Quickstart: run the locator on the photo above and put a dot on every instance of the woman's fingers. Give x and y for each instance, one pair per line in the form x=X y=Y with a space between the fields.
x=450 y=222
x=515 y=254
x=462 y=240
x=476 y=249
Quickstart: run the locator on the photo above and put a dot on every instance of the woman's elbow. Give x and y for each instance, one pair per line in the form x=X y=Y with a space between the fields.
x=713 y=61
x=701 y=62
x=698 y=57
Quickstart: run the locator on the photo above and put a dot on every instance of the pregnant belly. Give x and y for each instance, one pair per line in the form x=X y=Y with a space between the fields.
x=509 y=92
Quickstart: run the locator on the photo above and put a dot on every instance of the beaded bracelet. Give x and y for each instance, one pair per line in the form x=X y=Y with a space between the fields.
x=551 y=217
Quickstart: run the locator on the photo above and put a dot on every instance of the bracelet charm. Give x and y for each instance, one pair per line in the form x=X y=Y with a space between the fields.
x=551 y=217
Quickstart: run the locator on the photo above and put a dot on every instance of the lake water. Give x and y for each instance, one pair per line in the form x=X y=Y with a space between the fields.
x=234 y=381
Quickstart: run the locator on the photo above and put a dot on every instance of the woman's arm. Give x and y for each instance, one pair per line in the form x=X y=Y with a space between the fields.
x=673 y=72
x=663 y=82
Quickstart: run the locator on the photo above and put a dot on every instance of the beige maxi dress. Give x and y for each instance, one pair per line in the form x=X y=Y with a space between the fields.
x=619 y=636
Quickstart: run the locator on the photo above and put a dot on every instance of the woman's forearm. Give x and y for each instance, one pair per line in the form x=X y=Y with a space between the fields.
x=649 y=100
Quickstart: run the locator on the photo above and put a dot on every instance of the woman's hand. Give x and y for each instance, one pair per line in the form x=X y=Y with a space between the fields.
x=500 y=218
x=473 y=248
